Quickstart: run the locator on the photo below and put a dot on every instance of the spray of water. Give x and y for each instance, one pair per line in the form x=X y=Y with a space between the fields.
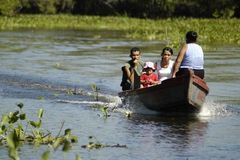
x=212 y=109
x=107 y=100
x=209 y=109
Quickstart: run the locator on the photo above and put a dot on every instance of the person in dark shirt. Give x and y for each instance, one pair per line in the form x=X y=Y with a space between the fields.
x=132 y=70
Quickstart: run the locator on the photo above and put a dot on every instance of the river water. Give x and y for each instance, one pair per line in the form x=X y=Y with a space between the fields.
x=42 y=69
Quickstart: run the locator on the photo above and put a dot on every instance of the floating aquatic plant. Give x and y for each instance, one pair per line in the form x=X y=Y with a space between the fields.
x=95 y=90
x=95 y=144
x=170 y=30
x=13 y=134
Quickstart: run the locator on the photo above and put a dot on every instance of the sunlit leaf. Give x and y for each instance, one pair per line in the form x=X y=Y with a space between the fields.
x=13 y=154
x=67 y=132
x=66 y=146
x=5 y=119
x=45 y=155
x=40 y=113
x=10 y=114
x=33 y=124
x=78 y=157
x=104 y=110
x=57 y=143
x=94 y=87
x=10 y=140
x=92 y=145
x=38 y=124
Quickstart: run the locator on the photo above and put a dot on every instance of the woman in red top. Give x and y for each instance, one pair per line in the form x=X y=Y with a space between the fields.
x=148 y=78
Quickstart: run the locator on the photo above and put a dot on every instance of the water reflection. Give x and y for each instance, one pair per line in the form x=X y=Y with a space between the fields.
x=180 y=132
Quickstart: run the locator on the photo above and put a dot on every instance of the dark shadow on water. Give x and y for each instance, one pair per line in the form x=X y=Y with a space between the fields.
x=21 y=86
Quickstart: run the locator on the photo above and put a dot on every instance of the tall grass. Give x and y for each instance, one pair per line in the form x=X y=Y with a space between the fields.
x=172 y=30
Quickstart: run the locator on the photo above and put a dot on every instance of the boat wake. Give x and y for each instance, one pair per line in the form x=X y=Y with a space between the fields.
x=209 y=109
x=213 y=109
x=109 y=101
x=137 y=107
x=116 y=104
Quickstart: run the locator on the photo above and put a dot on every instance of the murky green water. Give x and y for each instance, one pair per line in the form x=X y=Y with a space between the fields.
x=39 y=67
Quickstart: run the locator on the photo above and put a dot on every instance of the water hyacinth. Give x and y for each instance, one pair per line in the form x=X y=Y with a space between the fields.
x=13 y=134
x=171 y=30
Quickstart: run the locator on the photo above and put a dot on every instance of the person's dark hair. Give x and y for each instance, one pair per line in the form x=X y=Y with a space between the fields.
x=134 y=49
x=191 y=36
x=167 y=49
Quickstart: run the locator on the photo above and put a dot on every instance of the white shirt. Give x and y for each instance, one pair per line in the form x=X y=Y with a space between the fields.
x=164 y=73
x=193 y=57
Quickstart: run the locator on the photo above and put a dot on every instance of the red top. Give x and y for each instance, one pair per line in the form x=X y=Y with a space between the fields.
x=146 y=78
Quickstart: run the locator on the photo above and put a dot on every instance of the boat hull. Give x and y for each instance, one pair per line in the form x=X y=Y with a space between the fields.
x=182 y=94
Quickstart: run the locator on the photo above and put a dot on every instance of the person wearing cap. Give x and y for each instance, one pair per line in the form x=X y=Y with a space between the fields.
x=132 y=70
x=149 y=78
x=165 y=65
x=190 y=57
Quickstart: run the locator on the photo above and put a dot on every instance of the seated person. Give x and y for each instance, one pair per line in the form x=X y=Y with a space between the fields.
x=149 y=78
x=132 y=70
x=165 y=64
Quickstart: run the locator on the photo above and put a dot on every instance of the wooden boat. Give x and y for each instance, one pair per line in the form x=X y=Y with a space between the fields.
x=184 y=94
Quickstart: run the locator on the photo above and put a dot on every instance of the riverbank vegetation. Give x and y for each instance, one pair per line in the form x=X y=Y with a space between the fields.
x=170 y=30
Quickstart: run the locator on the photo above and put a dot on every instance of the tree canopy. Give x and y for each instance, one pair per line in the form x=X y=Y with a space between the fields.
x=133 y=8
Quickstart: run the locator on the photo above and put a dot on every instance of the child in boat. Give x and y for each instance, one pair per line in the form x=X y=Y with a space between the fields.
x=132 y=70
x=149 y=78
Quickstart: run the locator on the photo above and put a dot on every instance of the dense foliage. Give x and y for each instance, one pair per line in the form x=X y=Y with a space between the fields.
x=132 y=8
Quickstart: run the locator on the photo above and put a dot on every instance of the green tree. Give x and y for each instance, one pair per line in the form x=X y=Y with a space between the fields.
x=94 y=7
x=9 y=7
x=39 y=6
x=47 y=6
x=65 y=6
